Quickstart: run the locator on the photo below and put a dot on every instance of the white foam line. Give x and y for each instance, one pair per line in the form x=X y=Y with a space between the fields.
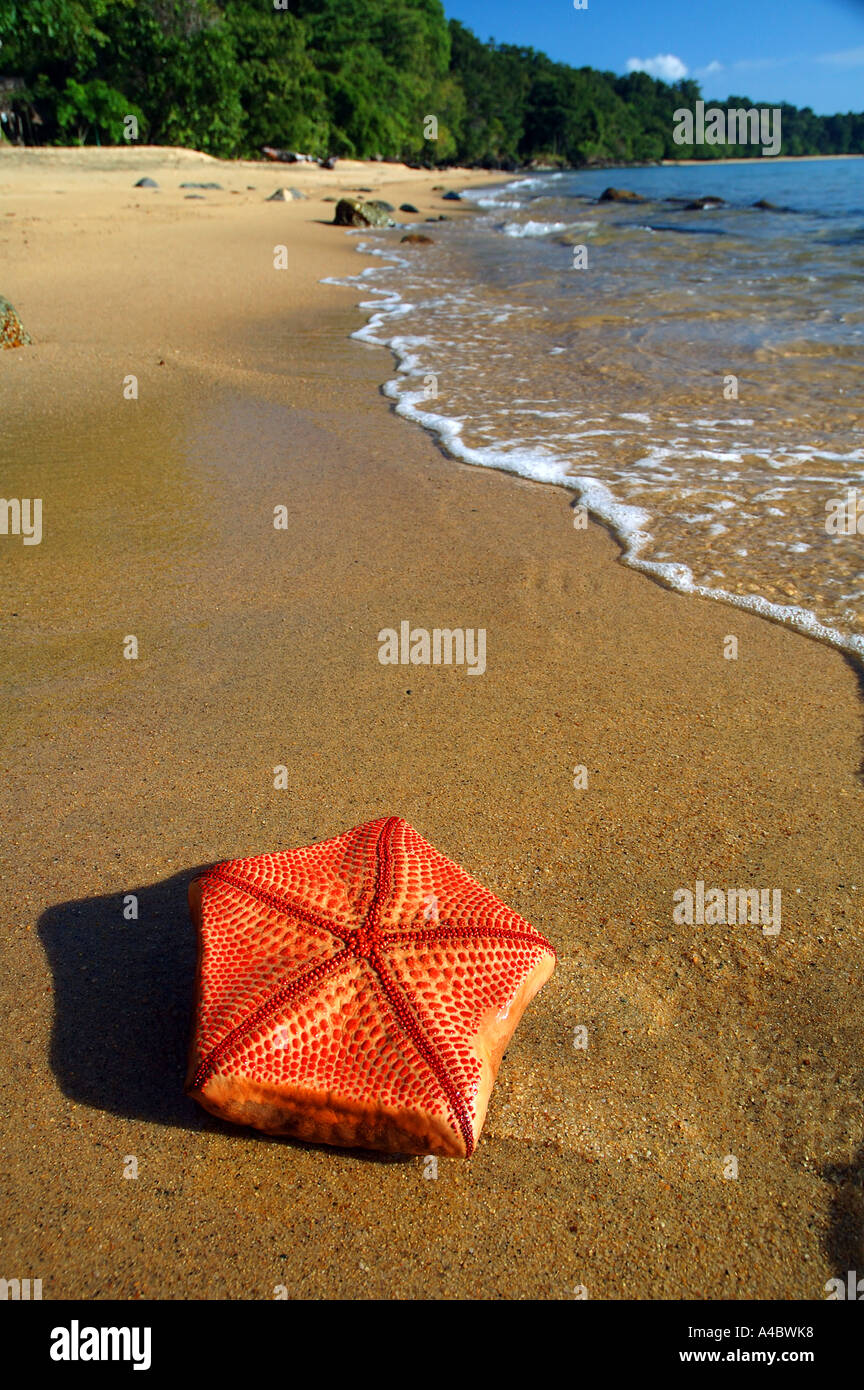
x=628 y=523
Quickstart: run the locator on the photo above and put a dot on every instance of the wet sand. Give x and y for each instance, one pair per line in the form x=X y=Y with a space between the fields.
x=599 y=1168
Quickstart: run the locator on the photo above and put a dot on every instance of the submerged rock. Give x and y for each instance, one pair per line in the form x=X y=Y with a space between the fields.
x=12 y=331
x=353 y=212
x=418 y=239
x=620 y=195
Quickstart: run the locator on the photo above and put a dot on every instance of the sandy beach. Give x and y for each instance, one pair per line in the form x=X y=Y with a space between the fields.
x=602 y=1169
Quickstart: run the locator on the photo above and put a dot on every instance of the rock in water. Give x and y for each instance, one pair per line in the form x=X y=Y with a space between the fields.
x=620 y=195
x=12 y=331
x=418 y=239
x=146 y=183
x=408 y=207
x=698 y=204
x=352 y=212
x=285 y=195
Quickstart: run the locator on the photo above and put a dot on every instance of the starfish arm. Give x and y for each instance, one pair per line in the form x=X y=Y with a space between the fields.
x=301 y=984
x=281 y=902
x=448 y=931
x=408 y=1020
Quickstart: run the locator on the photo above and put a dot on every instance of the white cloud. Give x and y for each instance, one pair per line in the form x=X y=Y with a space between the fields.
x=711 y=68
x=665 y=66
x=850 y=58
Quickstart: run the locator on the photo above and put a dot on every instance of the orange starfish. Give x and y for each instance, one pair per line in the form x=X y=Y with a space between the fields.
x=360 y=992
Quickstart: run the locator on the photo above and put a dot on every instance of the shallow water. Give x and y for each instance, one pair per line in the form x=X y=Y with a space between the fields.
x=697 y=382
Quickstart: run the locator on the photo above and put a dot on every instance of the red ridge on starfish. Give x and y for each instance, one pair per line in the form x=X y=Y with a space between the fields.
x=392 y=1041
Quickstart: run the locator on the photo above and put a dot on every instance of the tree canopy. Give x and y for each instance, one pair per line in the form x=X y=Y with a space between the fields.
x=346 y=77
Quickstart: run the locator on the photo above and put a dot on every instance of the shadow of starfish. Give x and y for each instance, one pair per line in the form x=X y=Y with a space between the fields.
x=844 y=1241
x=123 y=998
x=123 y=1008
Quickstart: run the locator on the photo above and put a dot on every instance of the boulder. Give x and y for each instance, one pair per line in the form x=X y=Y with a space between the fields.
x=329 y=162
x=287 y=156
x=417 y=239
x=12 y=331
x=620 y=195
x=353 y=212
x=408 y=207
x=452 y=197
x=380 y=203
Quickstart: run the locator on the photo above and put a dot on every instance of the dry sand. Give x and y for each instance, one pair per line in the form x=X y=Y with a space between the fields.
x=601 y=1168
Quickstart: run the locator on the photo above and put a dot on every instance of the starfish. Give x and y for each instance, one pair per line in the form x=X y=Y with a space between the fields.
x=359 y=992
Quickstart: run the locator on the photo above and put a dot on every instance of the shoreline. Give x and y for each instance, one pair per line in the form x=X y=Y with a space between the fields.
x=604 y=507
x=258 y=648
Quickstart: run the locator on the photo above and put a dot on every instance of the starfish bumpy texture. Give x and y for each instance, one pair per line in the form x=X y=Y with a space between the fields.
x=358 y=992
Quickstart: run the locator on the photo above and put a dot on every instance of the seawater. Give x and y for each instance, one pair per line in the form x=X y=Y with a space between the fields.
x=615 y=380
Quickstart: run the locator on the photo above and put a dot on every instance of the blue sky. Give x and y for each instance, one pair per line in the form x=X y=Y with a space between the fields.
x=809 y=52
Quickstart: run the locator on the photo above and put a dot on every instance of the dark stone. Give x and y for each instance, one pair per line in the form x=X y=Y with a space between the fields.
x=214 y=186
x=620 y=195
x=146 y=183
x=287 y=156
x=418 y=239
x=452 y=197
x=285 y=195
x=699 y=203
x=380 y=203
x=768 y=206
x=329 y=162
x=408 y=207
x=195 y=197
x=353 y=212
x=12 y=331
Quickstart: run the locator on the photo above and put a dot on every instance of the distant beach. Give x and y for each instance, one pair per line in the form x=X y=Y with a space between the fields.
x=774 y=159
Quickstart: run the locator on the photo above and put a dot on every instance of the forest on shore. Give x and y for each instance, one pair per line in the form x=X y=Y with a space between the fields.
x=349 y=78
